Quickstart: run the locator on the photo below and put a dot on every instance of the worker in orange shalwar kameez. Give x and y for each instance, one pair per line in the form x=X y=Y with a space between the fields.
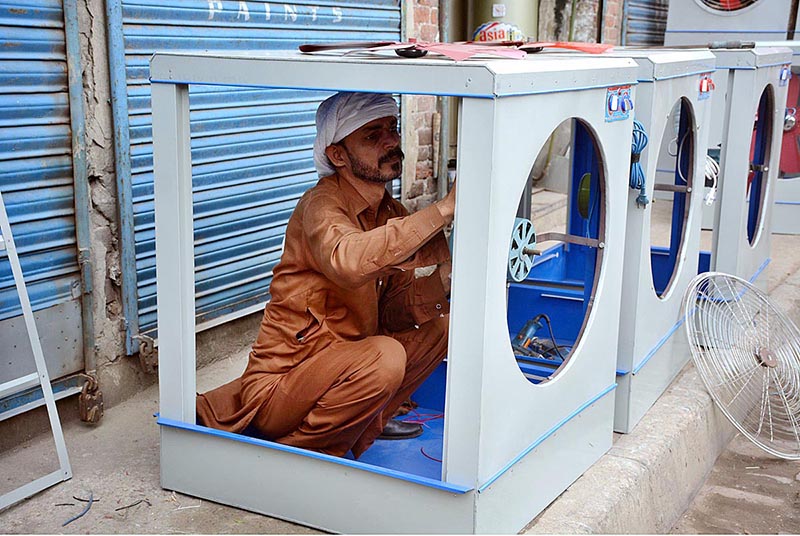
x=350 y=332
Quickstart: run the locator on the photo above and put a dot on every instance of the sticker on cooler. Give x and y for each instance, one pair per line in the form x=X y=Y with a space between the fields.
x=618 y=103
x=497 y=31
x=785 y=75
x=706 y=87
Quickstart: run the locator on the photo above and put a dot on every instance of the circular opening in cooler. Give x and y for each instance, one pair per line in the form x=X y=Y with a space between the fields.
x=556 y=251
x=673 y=183
x=760 y=147
x=727 y=5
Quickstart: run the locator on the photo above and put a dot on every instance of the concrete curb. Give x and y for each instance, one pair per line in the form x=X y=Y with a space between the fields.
x=649 y=477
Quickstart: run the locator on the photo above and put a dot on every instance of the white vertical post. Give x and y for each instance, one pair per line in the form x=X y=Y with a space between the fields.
x=172 y=168
x=731 y=227
x=773 y=158
x=470 y=289
x=725 y=95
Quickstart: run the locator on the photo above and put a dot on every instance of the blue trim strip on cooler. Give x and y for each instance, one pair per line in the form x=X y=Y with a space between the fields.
x=778 y=64
x=394 y=92
x=679 y=75
x=544 y=436
x=566 y=89
x=760 y=269
x=658 y=346
x=749 y=67
x=429 y=482
x=678 y=324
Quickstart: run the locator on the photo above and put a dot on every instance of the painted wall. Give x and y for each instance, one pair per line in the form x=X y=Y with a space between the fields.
x=419 y=184
x=119 y=376
x=612 y=22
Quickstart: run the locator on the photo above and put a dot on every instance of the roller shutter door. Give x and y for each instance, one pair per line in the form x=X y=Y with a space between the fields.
x=644 y=22
x=36 y=178
x=251 y=148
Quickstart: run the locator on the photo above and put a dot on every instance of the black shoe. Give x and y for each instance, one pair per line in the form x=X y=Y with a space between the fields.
x=395 y=429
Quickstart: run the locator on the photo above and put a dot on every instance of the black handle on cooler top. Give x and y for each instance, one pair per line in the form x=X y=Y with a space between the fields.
x=731 y=44
x=320 y=47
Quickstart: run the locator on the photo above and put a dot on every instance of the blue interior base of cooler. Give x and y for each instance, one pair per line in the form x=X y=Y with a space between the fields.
x=662 y=268
x=419 y=456
x=705 y=262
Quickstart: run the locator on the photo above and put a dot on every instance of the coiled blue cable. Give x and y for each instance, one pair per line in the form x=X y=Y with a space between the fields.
x=638 y=182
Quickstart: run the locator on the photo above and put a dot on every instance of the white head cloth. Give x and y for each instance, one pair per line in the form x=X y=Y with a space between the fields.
x=341 y=115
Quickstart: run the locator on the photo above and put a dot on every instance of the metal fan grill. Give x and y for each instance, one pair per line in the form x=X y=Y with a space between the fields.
x=747 y=353
x=522 y=250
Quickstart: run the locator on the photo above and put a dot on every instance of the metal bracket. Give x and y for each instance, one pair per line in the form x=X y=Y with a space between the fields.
x=571 y=239
x=148 y=354
x=90 y=401
x=85 y=262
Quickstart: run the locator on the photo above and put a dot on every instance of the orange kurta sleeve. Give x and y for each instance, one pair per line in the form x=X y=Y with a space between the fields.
x=353 y=257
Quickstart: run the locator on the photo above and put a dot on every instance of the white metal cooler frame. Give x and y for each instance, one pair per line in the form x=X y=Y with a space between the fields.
x=748 y=72
x=510 y=447
x=786 y=211
x=648 y=358
x=690 y=22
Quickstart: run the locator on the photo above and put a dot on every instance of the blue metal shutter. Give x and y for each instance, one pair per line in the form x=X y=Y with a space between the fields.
x=251 y=148
x=36 y=178
x=644 y=22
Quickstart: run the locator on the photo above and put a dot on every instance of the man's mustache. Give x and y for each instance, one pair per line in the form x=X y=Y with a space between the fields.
x=391 y=155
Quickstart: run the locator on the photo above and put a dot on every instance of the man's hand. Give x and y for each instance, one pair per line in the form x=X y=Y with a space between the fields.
x=447 y=206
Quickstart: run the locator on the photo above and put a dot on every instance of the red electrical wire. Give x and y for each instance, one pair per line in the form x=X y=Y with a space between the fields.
x=422 y=418
x=422 y=450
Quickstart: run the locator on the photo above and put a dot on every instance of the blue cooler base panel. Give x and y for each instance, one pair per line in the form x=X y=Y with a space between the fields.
x=421 y=456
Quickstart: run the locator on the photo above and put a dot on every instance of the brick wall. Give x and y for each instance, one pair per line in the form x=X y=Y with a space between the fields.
x=612 y=25
x=419 y=183
x=422 y=22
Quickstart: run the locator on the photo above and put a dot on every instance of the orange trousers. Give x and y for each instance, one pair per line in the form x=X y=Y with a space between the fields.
x=340 y=398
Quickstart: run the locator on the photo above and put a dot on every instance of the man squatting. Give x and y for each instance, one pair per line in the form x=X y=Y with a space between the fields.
x=349 y=332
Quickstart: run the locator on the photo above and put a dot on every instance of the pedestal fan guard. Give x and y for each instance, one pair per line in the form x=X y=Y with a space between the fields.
x=747 y=353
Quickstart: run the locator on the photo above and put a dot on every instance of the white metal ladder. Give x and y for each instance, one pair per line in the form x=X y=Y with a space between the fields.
x=38 y=378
